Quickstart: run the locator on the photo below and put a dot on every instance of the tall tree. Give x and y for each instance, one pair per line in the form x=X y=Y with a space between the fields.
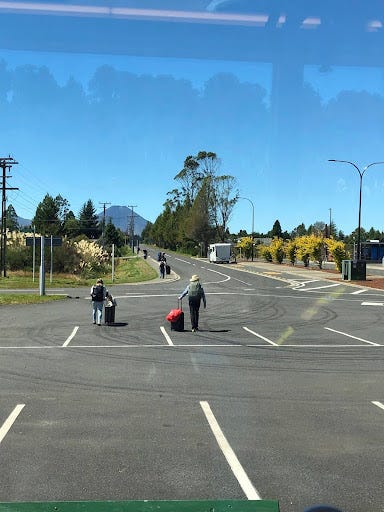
x=276 y=230
x=189 y=177
x=299 y=230
x=198 y=226
x=12 y=219
x=224 y=197
x=200 y=182
x=318 y=228
x=47 y=217
x=71 y=225
x=112 y=235
x=89 y=223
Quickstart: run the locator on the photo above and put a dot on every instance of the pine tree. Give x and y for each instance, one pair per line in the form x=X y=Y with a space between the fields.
x=89 y=223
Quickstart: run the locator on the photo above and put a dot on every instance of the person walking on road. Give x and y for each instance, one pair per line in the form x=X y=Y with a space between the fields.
x=98 y=294
x=195 y=293
x=162 y=269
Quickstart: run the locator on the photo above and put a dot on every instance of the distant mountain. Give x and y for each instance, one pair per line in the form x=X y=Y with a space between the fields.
x=23 y=222
x=121 y=217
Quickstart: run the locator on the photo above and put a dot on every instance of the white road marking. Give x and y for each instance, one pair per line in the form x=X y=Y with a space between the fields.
x=378 y=404
x=372 y=303
x=260 y=336
x=10 y=420
x=321 y=287
x=194 y=345
x=183 y=261
x=354 y=337
x=357 y=292
x=230 y=455
x=166 y=336
x=227 y=277
x=300 y=284
x=68 y=340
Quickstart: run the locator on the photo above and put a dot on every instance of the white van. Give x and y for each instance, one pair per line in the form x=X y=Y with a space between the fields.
x=220 y=253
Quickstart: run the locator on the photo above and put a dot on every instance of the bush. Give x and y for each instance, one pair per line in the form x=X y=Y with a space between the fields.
x=245 y=246
x=265 y=252
x=19 y=258
x=93 y=260
x=338 y=251
x=277 y=249
x=291 y=251
x=310 y=246
x=65 y=258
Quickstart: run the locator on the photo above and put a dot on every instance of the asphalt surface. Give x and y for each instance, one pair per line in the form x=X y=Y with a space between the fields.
x=280 y=395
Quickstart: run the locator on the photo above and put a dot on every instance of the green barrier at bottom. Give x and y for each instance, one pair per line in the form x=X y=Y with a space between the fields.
x=143 y=506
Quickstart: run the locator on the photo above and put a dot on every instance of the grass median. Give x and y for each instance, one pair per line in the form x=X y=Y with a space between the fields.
x=130 y=270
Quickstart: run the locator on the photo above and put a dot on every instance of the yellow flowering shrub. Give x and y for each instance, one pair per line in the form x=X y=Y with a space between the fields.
x=291 y=250
x=265 y=252
x=244 y=245
x=338 y=251
x=277 y=249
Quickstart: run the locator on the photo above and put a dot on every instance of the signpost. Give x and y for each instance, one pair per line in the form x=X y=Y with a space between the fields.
x=32 y=241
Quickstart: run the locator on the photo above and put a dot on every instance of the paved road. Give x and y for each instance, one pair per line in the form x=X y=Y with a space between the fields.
x=279 y=396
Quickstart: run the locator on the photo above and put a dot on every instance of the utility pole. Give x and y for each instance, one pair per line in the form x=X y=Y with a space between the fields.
x=132 y=226
x=103 y=233
x=330 y=222
x=5 y=163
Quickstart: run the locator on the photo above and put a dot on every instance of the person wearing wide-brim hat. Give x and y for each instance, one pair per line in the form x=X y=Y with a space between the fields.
x=195 y=293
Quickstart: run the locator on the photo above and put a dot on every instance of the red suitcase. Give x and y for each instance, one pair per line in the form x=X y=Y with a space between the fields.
x=176 y=317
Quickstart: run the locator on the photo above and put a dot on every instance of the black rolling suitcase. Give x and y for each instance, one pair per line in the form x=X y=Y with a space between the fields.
x=178 y=325
x=109 y=314
x=167 y=269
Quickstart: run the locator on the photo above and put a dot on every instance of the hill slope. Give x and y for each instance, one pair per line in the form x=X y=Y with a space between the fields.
x=121 y=217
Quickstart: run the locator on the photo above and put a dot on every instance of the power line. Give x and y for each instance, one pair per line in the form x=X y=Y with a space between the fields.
x=5 y=163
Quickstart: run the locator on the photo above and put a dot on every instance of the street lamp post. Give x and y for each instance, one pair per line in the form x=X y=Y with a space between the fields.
x=361 y=174
x=253 y=219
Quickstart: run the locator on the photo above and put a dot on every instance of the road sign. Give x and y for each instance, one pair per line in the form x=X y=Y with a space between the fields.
x=56 y=241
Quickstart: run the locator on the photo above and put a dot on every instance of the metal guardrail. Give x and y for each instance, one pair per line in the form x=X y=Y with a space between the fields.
x=143 y=506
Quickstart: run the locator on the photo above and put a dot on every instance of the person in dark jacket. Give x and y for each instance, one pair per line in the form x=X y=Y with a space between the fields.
x=196 y=294
x=98 y=294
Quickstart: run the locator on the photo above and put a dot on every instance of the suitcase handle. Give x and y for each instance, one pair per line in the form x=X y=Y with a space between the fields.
x=181 y=304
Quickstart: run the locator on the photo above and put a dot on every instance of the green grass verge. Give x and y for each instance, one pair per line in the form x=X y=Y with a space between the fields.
x=27 y=298
x=131 y=270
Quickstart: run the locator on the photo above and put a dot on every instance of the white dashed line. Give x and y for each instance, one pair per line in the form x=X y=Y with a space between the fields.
x=320 y=287
x=72 y=335
x=379 y=404
x=354 y=337
x=230 y=455
x=10 y=420
x=166 y=336
x=260 y=336
x=357 y=292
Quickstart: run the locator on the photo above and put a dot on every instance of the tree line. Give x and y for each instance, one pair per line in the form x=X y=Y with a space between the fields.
x=53 y=216
x=197 y=212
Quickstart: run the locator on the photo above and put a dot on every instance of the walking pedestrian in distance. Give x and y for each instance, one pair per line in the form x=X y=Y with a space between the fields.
x=195 y=293
x=162 y=269
x=98 y=294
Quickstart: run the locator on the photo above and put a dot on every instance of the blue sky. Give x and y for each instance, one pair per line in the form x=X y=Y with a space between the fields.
x=279 y=160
